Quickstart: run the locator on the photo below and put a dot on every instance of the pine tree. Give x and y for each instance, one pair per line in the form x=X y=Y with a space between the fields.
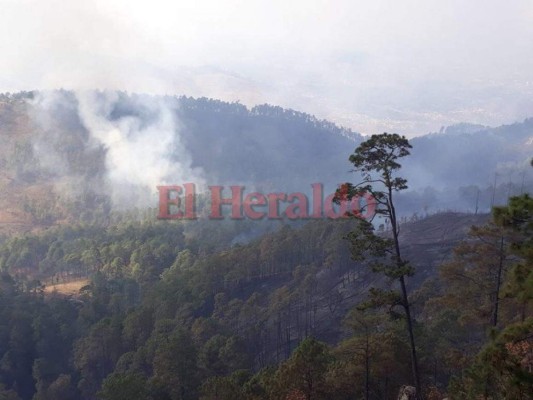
x=376 y=160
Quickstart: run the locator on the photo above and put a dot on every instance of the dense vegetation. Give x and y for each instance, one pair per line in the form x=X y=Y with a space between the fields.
x=169 y=317
x=264 y=310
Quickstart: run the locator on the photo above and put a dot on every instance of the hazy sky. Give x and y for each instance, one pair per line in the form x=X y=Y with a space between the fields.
x=408 y=66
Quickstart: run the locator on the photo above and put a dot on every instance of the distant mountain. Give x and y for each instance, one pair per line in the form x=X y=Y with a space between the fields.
x=263 y=146
x=471 y=154
x=61 y=159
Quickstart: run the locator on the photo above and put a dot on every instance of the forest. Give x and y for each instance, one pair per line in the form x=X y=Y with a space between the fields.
x=438 y=299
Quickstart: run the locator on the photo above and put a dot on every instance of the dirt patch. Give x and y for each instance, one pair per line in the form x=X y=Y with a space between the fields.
x=67 y=289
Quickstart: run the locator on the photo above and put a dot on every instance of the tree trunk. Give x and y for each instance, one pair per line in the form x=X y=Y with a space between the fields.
x=367 y=370
x=498 y=285
x=405 y=298
x=414 y=358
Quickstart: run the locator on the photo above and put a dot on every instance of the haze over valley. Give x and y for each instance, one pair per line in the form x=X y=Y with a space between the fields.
x=266 y=200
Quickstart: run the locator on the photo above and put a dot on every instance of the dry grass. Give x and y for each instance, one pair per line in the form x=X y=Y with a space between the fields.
x=67 y=289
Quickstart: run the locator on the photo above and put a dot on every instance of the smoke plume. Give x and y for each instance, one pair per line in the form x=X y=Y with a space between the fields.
x=139 y=137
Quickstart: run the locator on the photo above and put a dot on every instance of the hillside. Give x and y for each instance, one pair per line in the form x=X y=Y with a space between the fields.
x=51 y=143
x=265 y=265
x=232 y=306
x=100 y=298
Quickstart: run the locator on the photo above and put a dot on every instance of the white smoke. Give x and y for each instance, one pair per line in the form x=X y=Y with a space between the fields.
x=140 y=135
x=142 y=152
x=49 y=135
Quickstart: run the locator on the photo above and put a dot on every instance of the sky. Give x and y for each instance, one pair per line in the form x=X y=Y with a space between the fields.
x=409 y=66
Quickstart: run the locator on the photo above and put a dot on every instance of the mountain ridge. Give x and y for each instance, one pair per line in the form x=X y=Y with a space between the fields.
x=48 y=149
